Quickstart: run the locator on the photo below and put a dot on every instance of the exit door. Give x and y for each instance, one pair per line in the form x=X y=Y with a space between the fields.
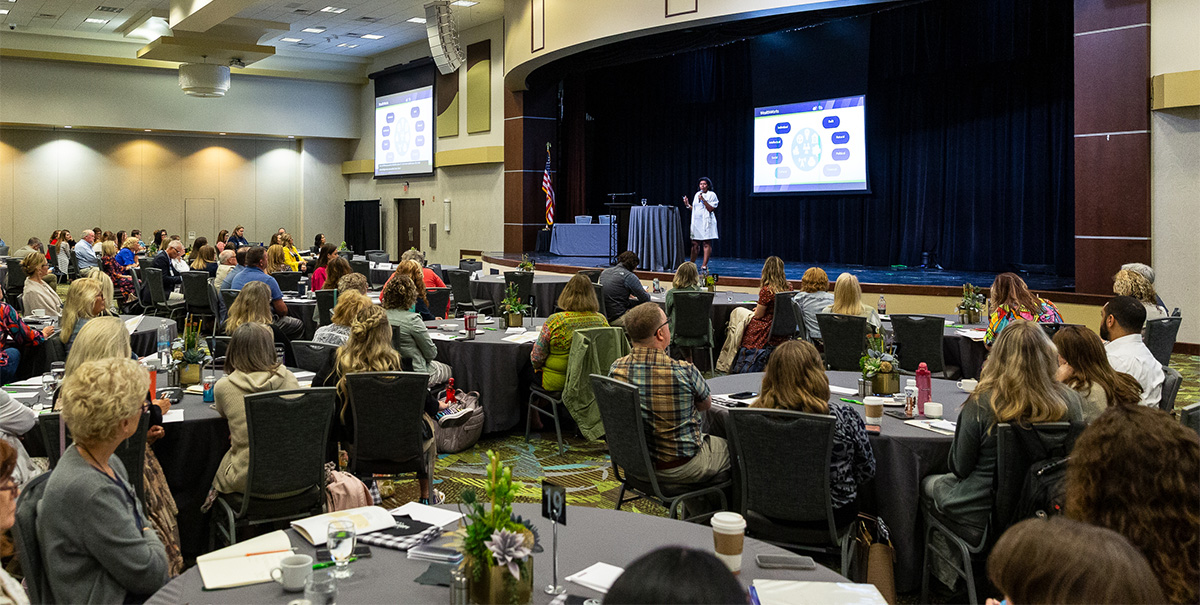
x=408 y=224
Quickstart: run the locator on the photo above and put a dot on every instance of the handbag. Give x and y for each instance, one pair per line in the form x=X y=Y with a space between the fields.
x=460 y=433
x=873 y=558
x=750 y=360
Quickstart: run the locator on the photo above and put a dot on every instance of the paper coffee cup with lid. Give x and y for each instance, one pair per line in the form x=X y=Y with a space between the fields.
x=729 y=534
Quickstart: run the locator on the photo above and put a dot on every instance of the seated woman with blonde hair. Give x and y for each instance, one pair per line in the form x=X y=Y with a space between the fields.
x=291 y=256
x=206 y=260
x=1131 y=283
x=687 y=279
x=38 y=294
x=84 y=302
x=253 y=305
x=773 y=281
x=276 y=260
x=847 y=300
x=352 y=281
x=348 y=306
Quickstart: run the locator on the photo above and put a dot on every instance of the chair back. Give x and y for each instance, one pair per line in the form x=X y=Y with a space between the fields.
x=195 y=292
x=387 y=409
x=228 y=296
x=154 y=281
x=439 y=301
x=131 y=452
x=218 y=345
x=437 y=270
x=16 y=274
x=29 y=549
x=288 y=431
x=1014 y=460
x=786 y=319
x=593 y=350
x=377 y=256
x=1190 y=417
x=470 y=266
x=624 y=429
x=1159 y=336
x=756 y=438
x=4 y=250
x=326 y=299
x=145 y=262
x=524 y=282
x=845 y=339
x=592 y=274
x=1170 y=389
x=919 y=339
x=311 y=355
x=363 y=267
x=288 y=281
x=600 y=299
x=460 y=285
x=691 y=319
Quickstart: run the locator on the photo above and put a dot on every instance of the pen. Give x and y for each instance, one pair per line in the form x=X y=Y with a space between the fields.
x=332 y=563
x=268 y=552
x=848 y=400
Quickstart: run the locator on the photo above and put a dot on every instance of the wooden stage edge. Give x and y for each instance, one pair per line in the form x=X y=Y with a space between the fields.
x=908 y=289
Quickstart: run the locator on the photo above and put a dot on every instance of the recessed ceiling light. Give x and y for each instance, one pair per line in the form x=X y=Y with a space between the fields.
x=221 y=133
x=333 y=9
x=96 y=21
x=291 y=136
x=3 y=11
x=463 y=3
x=417 y=20
x=67 y=127
x=351 y=46
x=342 y=45
x=314 y=30
x=290 y=40
x=147 y=130
x=372 y=37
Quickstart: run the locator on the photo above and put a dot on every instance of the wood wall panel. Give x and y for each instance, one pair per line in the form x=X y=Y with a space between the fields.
x=1098 y=260
x=1112 y=81
x=525 y=138
x=1091 y=15
x=1118 y=197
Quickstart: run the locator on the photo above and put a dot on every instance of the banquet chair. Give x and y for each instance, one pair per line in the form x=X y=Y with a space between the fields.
x=377 y=256
x=460 y=284
x=845 y=339
x=524 y=282
x=145 y=262
x=288 y=432
x=470 y=266
x=629 y=453
x=131 y=452
x=288 y=281
x=387 y=409
x=196 y=298
x=437 y=270
x=311 y=355
x=1170 y=389
x=691 y=322
x=587 y=355
x=326 y=300
x=228 y=296
x=1158 y=334
x=4 y=250
x=600 y=299
x=73 y=266
x=919 y=339
x=786 y=318
x=217 y=345
x=592 y=274
x=802 y=518
x=439 y=301
x=1190 y=417
x=160 y=303
x=16 y=281
x=363 y=267
x=28 y=547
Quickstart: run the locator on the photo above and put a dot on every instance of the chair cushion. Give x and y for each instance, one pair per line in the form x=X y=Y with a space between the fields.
x=673 y=490
x=798 y=532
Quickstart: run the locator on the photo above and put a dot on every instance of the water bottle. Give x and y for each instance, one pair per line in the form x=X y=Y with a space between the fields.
x=910 y=396
x=882 y=305
x=924 y=387
x=164 y=337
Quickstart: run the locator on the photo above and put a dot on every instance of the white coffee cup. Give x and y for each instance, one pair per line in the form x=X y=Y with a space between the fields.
x=968 y=384
x=729 y=531
x=933 y=410
x=293 y=572
x=39 y=312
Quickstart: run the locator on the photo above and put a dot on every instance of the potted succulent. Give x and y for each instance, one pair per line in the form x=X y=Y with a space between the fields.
x=879 y=366
x=710 y=282
x=497 y=546
x=526 y=264
x=970 y=308
x=191 y=353
x=513 y=307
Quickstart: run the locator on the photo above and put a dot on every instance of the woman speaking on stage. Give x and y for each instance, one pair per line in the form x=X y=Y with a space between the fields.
x=704 y=220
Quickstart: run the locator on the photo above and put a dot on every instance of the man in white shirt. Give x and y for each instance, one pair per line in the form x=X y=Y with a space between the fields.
x=85 y=256
x=1121 y=326
x=227 y=261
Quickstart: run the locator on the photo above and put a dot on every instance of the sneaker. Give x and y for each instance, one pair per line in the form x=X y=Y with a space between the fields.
x=452 y=413
x=436 y=498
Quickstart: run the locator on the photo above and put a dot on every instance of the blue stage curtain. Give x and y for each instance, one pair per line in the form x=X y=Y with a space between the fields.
x=969 y=110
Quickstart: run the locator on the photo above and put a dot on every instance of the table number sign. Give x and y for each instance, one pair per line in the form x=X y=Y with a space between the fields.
x=554 y=508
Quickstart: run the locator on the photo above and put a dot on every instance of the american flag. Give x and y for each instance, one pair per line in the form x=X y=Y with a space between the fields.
x=548 y=189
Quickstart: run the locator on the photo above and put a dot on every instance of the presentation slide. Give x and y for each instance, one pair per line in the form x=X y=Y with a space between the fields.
x=404 y=133
x=816 y=146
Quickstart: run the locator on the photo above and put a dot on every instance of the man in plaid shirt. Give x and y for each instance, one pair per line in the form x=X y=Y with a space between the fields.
x=675 y=402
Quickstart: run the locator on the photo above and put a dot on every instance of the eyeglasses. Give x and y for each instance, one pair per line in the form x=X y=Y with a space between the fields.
x=660 y=326
x=12 y=488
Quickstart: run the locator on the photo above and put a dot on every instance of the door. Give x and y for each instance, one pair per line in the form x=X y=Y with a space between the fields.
x=199 y=219
x=408 y=224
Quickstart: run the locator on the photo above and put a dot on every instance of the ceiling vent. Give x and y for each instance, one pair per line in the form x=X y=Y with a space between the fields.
x=108 y=9
x=204 y=79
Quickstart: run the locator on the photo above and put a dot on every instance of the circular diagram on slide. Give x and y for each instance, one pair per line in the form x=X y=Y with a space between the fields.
x=806 y=149
x=402 y=137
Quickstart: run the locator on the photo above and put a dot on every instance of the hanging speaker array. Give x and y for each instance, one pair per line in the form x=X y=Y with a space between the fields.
x=443 y=37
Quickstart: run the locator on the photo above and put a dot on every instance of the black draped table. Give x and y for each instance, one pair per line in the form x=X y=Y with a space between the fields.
x=958 y=350
x=546 y=288
x=656 y=236
x=903 y=456
x=591 y=535
x=304 y=309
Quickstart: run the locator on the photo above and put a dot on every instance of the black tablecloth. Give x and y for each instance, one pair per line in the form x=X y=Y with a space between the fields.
x=306 y=311
x=590 y=535
x=903 y=456
x=546 y=289
x=656 y=236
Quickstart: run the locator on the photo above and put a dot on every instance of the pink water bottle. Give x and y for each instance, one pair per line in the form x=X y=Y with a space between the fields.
x=924 y=387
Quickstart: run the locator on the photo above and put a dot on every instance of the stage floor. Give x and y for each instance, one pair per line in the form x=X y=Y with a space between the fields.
x=752 y=268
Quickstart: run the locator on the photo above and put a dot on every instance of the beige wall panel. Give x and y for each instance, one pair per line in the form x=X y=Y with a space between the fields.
x=36 y=191
x=161 y=194
x=119 y=194
x=277 y=176
x=236 y=195
x=7 y=155
x=198 y=164
x=323 y=189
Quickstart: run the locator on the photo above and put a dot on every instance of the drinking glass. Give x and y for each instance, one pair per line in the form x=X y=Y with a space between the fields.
x=341 y=546
x=49 y=384
x=321 y=588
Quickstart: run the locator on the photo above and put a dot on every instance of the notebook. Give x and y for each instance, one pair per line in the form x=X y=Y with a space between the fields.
x=794 y=592
x=366 y=520
x=244 y=563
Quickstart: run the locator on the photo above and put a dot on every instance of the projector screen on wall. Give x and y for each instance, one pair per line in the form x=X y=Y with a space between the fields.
x=811 y=147
x=404 y=133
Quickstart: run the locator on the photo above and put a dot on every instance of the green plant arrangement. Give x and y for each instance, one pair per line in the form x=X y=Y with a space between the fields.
x=970 y=308
x=512 y=306
x=342 y=247
x=879 y=366
x=190 y=351
x=526 y=263
x=710 y=281
x=497 y=546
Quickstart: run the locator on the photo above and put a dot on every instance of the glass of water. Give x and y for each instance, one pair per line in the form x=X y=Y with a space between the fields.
x=341 y=546
x=321 y=588
x=49 y=384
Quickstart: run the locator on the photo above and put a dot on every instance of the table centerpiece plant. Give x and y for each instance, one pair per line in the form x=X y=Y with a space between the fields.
x=710 y=281
x=879 y=365
x=526 y=264
x=497 y=545
x=512 y=306
x=191 y=352
x=970 y=308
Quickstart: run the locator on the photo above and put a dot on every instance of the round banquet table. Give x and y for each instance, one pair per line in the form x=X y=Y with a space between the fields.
x=490 y=365
x=546 y=289
x=590 y=535
x=958 y=350
x=903 y=456
x=144 y=341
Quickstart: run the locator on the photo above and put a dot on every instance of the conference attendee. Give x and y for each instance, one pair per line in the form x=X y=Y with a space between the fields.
x=51 y=243
x=256 y=263
x=15 y=336
x=687 y=279
x=197 y=244
x=39 y=295
x=1134 y=471
x=673 y=575
x=225 y=263
x=160 y=238
x=773 y=280
x=412 y=269
x=1083 y=366
x=85 y=301
x=1061 y=561
x=238 y=267
x=127 y=255
x=1121 y=323
x=91 y=524
x=238 y=239
x=814 y=297
x=16 y=420
x=222 y=237
x=276 y=260
x=275 y=238
x=107 y=291
x=847 y=300
x=352 y=281
x=124 y=290
x=11 y=590
x=795 y=380
x=704 y=220
x=65 y=235
x=85 y=255
x=430 y=278
x=33 y=246
x=335 y=270
x=253 y=305
x=370 y=350
x=319 y=242
x=165 y=261
x=1132 y=283
x=119 y=239
x=206 y=260
x=1018 y=386
x=1011 y=299
x=1147 y=272
x=291 y=256
x=138 y=234
x=621 y=288
x=409 y=336
x=251 y=366
x=101 y=237
x=674 y=399
x=348 y=306
x=327 y=253
x=62 y=256
x=552 y=350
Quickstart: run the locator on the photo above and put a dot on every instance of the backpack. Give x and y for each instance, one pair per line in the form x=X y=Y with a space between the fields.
x=461 y=433
x=750 y=360
x=1044 y=488
x=344 y=491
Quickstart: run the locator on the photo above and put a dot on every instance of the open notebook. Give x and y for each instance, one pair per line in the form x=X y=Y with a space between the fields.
x=244 y=563
x=366 y=519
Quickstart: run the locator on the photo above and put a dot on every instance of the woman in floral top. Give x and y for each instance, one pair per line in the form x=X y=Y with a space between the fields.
x=553 y=347
x=13 y=334
x=1011 y=299
x=758 y=331
x=123 y=288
